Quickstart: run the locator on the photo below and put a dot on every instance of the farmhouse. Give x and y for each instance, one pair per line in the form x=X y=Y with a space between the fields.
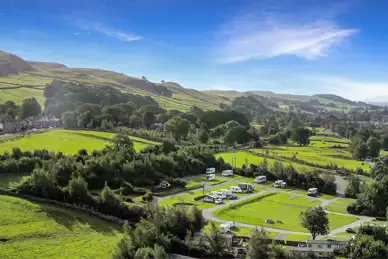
x=318 y=248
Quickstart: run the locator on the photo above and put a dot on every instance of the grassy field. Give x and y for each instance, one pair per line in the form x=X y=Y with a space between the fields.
x=340 y=205
x=244 y=157
x=282 y=208
x=67 y=141
x=296 y=237
x=44 y=231
x=240 y=231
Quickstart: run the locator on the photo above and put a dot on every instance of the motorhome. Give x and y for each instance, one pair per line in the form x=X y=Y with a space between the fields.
x=226 y=227
x=210 y=177
x=280 y=184
x=260 y=179
x=312 y=192
x=226 y=192
x=210 y=170
x=212 y=200
x=227 y=173
x=218 y=195
x=246 y=187
x=235 y=189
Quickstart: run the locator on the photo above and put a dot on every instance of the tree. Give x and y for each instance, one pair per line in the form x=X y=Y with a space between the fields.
x=374 y=147
x=301 y=136
x=354 y=187
x=216 y=242
x=178 y=127
x=360 y=151
x=69 y=121
x=257 y=245
x=134 y=121
x=294 y=123
x=78 y=188
x=199 y=222
x=203 y=136
x=315 y=220
x=365 y=246
x=384 y=142
x=148 y=119
x=30 y=107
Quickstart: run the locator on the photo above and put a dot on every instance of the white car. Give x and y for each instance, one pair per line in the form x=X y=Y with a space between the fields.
x=218 y=201
x=227 y=173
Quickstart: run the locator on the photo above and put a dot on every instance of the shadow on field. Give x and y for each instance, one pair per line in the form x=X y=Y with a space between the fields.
x=73 y=220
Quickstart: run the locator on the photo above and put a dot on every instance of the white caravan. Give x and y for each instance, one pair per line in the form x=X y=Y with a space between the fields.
x=260 y=179
x=235 y=189
x=227 y=173
x=210 y=177
x=211 y=170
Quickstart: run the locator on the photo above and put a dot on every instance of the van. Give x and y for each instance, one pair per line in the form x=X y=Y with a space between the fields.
x=227 y=173
x=211 y=170
x=312 y=192
x=217 y=195
x=210 y=177
x=260 y=179
x=246 y=187
x=226 y=192
x=235 y=189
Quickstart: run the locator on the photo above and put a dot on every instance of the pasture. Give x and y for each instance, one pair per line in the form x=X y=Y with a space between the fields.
x=34 y=230
x=66 y=141
x=340 y=205
x=248 y=158
x=317 y=155
x=282 y=208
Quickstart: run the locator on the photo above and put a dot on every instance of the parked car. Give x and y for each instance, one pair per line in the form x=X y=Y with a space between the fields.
x=231 y=197
x=218 y=201
x=280 y=184
x=350 y=230
x=235 y=189
x=227 y=173
x=210 y=170
x=212 y=200
x=210 y=177
x=260 y=179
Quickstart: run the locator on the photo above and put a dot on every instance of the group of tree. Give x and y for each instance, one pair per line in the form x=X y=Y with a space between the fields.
x=360 y=149
x=10 y=111
x=372 y=199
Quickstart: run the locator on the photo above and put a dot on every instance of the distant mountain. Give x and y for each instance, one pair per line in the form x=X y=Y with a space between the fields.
x=378 y=100
x=290 y=97
x=12 y=64
x=334 y=98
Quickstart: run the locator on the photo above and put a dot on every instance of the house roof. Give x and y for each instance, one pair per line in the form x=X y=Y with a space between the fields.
x=328 y=242
x=307 y=249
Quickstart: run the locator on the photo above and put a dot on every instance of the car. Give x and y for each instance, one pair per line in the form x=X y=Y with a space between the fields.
x=218 y=201
x=208 y=199
x=231 y=197
x=350 y=230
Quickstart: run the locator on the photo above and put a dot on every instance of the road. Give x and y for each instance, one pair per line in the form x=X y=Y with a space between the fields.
x=208 y=213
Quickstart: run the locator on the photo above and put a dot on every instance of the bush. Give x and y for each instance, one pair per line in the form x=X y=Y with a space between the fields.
x=148 y=197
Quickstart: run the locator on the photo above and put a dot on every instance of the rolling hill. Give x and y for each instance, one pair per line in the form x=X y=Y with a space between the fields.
x=20 y=79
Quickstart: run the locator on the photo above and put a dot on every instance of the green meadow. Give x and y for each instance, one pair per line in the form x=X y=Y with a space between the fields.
x=34 y=230
x=282 y=208
x=66 y=141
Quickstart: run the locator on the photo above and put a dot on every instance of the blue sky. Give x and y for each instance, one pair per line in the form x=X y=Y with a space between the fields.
x=298 y=46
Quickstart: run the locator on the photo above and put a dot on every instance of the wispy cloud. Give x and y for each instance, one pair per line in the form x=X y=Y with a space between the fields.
x=351 y=88
x=106 y=30
x=270 y=33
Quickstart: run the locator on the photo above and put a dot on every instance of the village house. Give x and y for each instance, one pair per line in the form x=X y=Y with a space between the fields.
x=318 y=248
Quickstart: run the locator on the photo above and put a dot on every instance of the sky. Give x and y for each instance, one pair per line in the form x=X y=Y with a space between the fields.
x=285 y=46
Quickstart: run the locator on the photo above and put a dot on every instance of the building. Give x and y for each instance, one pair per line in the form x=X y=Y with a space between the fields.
x=318 y=248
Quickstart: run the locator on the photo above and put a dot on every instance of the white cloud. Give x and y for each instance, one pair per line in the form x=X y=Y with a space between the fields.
x=264 y=35
x=351 y=88
x=106 y=30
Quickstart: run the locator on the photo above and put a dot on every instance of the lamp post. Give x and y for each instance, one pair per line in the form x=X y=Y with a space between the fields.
x=203 y=192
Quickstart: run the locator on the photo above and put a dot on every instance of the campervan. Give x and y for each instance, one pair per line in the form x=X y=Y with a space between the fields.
x=210 y=170
x=312 y=192
x=218 y=195
x=226 y=227
x=235 y=189
x=212 y=200
x=246 y=187
x=280 y=184
x=226 y=192
x=227 y=173
x=210 y=177
x=260 y=179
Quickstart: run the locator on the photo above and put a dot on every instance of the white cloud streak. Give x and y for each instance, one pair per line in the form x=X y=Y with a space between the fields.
x=351 y=88
x=265 y=35
x=107 y=30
